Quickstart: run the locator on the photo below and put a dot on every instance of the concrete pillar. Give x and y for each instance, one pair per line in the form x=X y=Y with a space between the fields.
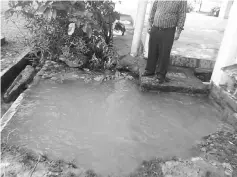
x=147 y=35
x=228 y=49
x=141 y=11
x=146 y=45
x=225 y=8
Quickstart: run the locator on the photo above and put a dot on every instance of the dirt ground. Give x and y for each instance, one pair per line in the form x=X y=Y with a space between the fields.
x=221 y=146
x=18 y=161
x=218 y=160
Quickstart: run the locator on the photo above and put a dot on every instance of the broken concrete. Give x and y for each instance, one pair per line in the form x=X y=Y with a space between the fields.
x=181 y=80
x=185 y=61
x=225 y=95
x=230 y=79
x=203 y=74
x=196 y=167
x=19 y=84
x=3 y=40
x=226 y=103
x=9 y=74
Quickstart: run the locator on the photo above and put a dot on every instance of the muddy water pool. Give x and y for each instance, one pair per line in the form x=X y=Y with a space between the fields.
x=109 y=127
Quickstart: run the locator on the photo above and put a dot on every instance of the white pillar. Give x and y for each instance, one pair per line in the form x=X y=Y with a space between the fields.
x=141 y=11
x=225 y=8
x=228 y=49
x=146 y=45
x=147 y=35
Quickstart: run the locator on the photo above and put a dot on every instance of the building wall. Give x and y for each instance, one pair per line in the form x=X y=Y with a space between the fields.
x=225 y=8
x=228 y=50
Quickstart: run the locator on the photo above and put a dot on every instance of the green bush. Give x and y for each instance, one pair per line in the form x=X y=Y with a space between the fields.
x=69 y=29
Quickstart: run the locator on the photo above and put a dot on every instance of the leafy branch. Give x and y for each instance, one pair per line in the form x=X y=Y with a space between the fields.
x=81 y=27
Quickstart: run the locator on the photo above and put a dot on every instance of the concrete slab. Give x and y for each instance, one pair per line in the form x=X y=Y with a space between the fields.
x=226 y=103
x=201 y=37
x=8 y=75
x=231 y=71
x=183 y=61
x=3 y=40
x=182 y=80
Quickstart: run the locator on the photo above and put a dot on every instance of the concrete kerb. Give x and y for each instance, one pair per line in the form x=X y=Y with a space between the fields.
x=9 y=74
x=183 y=61
x=3 y=40
x=15 y=105
x=220 y=100
x=18 y=59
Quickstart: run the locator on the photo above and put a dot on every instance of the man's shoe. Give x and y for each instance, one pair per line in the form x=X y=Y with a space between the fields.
x=161 y=81
x=167 y=79
x=160 y=78
x=148 y=73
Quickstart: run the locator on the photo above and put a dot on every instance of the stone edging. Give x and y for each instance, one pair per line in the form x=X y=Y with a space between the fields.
x=225 y=104
x=3 y=40
x=179 y=60
x=7 y=76
x=15 y=105
x=19 y=58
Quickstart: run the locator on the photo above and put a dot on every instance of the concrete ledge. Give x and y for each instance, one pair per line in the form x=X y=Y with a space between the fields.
x=182 y=80
x=229 y=79
x=9 y=74
x=19 y=84
x=223 y=97
x=15 y=105
x=3 y=40
x=225 y=103
x=178 y=60
x=231 y=71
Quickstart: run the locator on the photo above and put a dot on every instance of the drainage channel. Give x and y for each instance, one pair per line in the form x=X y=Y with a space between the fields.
x=14 y=81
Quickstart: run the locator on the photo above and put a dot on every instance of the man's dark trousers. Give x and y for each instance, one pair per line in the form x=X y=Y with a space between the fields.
x=160 y=45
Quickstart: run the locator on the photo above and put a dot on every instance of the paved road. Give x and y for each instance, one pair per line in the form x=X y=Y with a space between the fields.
x=201 y=37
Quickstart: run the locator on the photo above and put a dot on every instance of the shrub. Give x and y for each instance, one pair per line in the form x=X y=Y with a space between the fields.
x=68 y=28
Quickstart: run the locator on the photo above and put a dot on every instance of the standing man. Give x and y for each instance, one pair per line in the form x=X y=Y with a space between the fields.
x=166 y=22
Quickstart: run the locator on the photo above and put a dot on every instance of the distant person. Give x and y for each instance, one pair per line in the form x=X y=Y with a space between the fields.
x=166 y=22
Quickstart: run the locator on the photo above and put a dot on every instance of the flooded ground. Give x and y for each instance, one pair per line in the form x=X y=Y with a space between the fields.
x=109 y=127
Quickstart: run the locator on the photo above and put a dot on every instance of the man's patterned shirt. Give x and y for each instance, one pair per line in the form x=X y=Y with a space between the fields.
x=168 y=13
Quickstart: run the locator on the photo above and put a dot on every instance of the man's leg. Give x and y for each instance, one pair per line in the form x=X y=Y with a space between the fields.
x=153 y=53
x=165 y=47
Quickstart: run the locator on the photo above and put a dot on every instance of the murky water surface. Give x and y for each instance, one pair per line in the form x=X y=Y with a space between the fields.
x=110 y=127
